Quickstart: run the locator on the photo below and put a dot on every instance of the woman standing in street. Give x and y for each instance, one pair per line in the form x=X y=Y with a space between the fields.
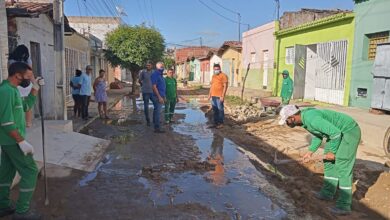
x=99 y=86
x=21 y=54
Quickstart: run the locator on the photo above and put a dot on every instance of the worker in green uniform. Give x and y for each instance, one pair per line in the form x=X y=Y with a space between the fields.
x=287 y=88
x=342 y=135
x=171 y=96
x=16 y=152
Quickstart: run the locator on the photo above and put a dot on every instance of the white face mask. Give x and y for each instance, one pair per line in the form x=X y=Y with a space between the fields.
x=217 y=71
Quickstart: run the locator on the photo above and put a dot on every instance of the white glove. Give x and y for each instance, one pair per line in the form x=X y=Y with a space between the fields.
x=39 y=81
x=26 y=147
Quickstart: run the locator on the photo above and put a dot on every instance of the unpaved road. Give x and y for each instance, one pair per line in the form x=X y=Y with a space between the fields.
x=190 y=172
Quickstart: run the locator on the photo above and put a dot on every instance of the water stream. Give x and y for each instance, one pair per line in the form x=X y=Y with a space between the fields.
x=235 y=185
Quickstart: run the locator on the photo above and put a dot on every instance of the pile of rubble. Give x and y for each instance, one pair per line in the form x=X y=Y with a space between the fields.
x=245 y=113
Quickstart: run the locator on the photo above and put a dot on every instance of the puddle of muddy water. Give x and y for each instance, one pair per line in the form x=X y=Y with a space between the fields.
x=235 y=185
x=92 y=175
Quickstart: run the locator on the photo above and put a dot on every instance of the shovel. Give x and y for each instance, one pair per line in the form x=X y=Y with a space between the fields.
x=286 y=161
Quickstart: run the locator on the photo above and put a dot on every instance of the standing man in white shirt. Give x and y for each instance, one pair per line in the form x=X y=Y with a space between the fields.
x=85 y=91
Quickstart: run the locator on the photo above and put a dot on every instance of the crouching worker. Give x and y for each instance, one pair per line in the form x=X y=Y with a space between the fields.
x=16 y=152
x=342 y=135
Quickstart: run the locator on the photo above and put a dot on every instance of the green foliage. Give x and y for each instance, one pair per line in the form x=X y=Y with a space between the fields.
x=359 y=1
x=132 y=46
x=169 y=63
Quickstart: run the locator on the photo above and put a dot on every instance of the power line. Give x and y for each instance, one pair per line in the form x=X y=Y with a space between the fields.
x=95 y=7
x=78 y=5
x=227 y=9
x=152 y=11
x=142 y=13
x=109 y=9
x=147 y=13
x=221 y=15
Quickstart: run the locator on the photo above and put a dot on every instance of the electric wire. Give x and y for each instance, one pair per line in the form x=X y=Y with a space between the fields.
x=221 y=15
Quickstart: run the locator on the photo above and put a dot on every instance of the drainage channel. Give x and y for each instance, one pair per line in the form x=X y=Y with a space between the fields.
x=235 y=186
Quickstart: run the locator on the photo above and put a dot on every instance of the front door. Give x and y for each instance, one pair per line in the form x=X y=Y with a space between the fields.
x=299 y=71
x=330 y=72
x=265 y=68
x=226 y=68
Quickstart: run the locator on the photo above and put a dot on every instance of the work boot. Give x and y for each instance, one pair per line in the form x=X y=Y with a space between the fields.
x=7 y=211
x=319 y=196
x=338 y=211
x=29 y=215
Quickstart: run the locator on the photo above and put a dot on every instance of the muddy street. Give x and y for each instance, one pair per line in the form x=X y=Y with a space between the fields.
x=190 y=172
x=193 y=172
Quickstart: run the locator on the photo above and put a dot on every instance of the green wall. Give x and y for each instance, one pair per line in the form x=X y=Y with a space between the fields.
x=255 y=78
x=372 y=16
x=320 y=31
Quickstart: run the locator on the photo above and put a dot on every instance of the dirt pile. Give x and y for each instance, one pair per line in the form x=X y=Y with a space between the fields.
x=245 y=113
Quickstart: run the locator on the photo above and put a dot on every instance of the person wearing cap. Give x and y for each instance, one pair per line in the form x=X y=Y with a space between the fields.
x=287 y=88
x=342 y=135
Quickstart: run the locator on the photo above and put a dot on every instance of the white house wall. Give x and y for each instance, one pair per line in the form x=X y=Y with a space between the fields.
x=40 y=30
x=214 y=60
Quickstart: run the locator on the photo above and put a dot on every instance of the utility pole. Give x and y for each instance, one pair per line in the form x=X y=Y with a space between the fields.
x=3 y=41
x=278 y=9
x=239 y=27
x=59 y=53
x=201 y=41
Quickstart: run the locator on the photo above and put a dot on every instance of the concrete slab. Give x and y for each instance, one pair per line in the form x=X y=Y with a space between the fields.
x=65 y=147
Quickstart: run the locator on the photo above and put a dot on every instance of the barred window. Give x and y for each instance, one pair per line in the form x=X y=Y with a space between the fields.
x=290 y=55
x=374 y=40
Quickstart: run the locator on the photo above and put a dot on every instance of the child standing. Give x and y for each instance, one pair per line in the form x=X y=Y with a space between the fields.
x=99 y=86
x=171 y=96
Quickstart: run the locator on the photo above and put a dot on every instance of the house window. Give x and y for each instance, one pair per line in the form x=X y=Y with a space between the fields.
x=290 y=55
x=253 y=57
x=374 y=40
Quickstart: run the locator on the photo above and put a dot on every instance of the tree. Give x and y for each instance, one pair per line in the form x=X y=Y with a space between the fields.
x=132 y=46
x=169 y=62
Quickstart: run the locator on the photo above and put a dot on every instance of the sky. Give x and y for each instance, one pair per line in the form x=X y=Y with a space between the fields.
x=183 y=22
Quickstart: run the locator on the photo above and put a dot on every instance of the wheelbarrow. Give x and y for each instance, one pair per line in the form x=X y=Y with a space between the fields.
x=272 y=104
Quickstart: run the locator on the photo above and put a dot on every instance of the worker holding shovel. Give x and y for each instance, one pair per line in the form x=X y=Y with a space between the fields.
x=342 y=135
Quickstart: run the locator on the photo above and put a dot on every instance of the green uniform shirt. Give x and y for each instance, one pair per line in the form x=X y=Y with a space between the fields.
x=171 y=86
x=326 y=124
x=287 y=88
x=12 y=112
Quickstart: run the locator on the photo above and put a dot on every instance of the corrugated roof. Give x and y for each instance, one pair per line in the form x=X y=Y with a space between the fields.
x=27 y=9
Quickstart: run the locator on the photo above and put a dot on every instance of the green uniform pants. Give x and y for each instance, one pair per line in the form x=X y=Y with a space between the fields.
x=170 y=105
x=339 y=172
x=12 y=160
